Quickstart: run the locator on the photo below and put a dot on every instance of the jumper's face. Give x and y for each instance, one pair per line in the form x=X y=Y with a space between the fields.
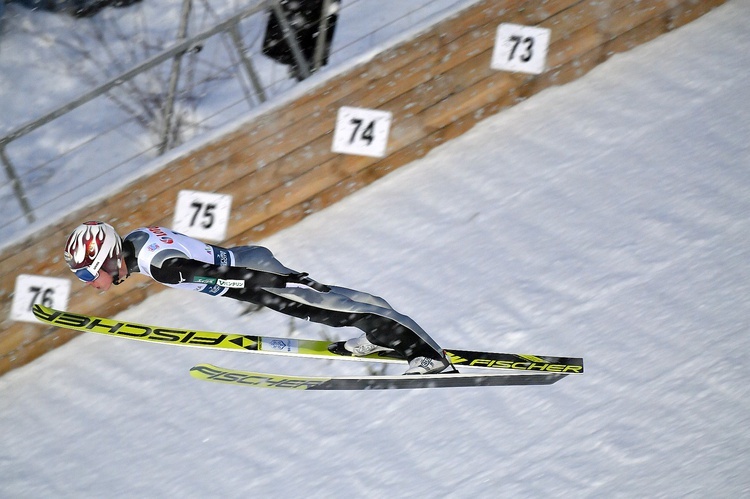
x=103 y=282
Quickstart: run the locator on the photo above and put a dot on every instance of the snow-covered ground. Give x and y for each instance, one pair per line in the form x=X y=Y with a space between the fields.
x=607 y=218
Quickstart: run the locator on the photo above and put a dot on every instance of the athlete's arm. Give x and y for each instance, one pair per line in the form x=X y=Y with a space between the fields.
x=177 y=269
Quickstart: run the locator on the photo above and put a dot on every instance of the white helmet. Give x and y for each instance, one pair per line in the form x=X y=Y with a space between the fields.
x=93 y=246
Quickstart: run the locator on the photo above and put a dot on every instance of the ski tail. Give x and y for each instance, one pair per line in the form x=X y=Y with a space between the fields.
x=517 y=362
x=491 y=360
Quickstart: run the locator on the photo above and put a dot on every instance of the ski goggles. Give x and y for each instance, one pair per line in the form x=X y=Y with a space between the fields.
x=85 y=274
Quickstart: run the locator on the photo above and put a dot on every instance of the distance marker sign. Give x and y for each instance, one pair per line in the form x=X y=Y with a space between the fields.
x=520 y=48
x=51 y=292
x=361 y=131
x=203 y=215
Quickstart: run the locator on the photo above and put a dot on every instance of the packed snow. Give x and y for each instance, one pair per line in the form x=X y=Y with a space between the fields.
x=607 y=219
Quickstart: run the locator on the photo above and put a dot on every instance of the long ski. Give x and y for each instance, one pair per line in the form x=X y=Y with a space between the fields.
x=210 y=372
x=291 y=346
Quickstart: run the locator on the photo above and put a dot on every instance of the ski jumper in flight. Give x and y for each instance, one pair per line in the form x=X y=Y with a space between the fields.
x=100 y=257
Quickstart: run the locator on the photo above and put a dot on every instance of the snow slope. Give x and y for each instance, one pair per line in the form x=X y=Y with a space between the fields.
x=606 y=219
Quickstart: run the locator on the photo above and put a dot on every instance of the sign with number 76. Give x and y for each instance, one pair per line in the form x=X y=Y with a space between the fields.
x=51 y=292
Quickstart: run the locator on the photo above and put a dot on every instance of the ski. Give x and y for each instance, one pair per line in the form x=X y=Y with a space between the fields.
x=217 y=374
x=291 y=346
x=493 y=360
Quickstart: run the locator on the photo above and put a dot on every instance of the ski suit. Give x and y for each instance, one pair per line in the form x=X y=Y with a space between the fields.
x=252 y=274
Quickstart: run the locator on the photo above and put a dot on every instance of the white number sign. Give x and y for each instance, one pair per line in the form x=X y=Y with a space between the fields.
x=361 y=131
x=51 y=292
x=520 y=48
x=203 y=215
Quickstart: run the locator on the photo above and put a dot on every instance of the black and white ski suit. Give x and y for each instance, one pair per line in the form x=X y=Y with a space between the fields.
x=252 y=274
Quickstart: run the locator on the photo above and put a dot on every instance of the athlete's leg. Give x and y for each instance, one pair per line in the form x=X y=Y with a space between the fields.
x=334 y=306
x=382 y=324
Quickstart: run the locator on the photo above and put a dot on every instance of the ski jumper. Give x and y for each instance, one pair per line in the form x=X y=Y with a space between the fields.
x=252 y=274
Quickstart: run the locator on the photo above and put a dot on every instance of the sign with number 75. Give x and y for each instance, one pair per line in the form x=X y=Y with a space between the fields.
x=203 y=215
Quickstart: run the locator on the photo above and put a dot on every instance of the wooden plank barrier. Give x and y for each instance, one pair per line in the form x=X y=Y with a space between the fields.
x=279 y=167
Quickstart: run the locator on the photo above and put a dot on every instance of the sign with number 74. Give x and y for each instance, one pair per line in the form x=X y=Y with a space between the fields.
x=361 y=131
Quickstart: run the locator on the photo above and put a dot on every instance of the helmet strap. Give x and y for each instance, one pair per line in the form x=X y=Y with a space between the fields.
x=116 y=280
